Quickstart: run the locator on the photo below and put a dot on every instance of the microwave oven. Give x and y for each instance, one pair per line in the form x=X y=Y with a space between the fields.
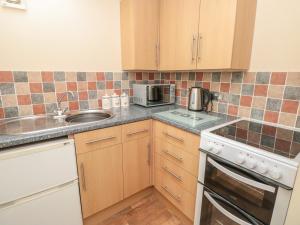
x=149 y=95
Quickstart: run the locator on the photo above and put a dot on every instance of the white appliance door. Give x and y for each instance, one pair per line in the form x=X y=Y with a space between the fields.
x=57 y=206
x=27 y=170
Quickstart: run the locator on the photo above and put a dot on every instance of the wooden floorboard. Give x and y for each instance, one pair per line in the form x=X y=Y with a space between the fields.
x=151 y=210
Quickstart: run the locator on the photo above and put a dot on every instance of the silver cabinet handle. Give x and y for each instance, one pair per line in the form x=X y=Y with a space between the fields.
x=240 y=178
x=149 y=154
x=157 y=59
x=172 y=173
x=224 y=211
x=178 y=158
x=176 y=197
x=193 y=48
x=83 y=177
x=176 y=138
x=137 y=132
x=199 y=47
x=101 y=139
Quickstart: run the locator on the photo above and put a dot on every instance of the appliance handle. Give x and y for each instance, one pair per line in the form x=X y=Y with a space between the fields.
x=242 y=179
x=208 y=99
x=224 y=211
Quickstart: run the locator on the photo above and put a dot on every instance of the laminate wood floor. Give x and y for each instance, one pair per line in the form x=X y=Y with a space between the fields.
x=151 y=210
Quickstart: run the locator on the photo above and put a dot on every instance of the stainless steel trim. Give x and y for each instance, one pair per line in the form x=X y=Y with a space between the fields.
x=178 y=158
x=224 y=211
x=176 y=138
x=101 y=139
x=200 y=37
x=193 y=48
x=137 y=132
x=83 y=176
x=149 y=154
x=242 y=179
x=172 y=173
x=176 y=197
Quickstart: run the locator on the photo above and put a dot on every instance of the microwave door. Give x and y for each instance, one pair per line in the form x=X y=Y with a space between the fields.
x=217 y=210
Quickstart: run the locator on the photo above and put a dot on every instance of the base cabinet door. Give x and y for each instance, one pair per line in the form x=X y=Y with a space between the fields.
x=136 y=165
x=101 y=179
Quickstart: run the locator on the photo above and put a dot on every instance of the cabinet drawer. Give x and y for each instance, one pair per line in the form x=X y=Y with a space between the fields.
x=93 y=140
x=136 y=130
x=179 y=175
x=176 y=155
x=182 y=199
x=180 y=138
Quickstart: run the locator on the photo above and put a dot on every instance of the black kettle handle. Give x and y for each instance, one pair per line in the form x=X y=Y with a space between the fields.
x=208 y=95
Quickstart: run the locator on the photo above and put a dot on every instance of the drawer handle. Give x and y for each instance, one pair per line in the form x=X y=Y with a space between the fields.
x=149 y=154
x=172 y=173
x=137 y=132
x=101 y=139
x=176 y=197
x=178 y=158
x=83 y=176
x=175 y=138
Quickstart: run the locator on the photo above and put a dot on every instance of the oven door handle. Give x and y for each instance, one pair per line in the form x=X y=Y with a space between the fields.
x=242 y=179
x=224 y=211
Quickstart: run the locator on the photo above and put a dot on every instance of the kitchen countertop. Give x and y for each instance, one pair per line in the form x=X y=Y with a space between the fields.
x=122 y=116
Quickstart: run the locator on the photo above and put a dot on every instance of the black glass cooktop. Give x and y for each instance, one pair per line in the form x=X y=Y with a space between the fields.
x=273 y=139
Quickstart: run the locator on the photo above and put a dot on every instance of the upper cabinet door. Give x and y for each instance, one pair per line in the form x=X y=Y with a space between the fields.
x=139 y=34
x=179 y=20
x=225 y=34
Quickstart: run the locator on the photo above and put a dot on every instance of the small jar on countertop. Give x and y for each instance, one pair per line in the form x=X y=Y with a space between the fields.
x=124 y=100
x=115 y=99
x=106 y=102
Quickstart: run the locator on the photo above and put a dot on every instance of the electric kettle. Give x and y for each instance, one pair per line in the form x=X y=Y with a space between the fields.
x=199 y=99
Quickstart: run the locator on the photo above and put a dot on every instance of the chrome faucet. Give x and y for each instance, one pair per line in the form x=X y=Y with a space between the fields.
x=60 y=111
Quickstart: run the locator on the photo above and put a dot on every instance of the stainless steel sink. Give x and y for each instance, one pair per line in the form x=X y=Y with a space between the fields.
x=88 y=116
x=36 y=124
x=30 y=125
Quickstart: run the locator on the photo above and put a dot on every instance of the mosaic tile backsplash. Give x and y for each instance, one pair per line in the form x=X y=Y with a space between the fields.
x=273 y=97
x=28 y=93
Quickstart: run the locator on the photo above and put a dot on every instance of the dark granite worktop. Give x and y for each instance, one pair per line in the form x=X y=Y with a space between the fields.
x=122 y=116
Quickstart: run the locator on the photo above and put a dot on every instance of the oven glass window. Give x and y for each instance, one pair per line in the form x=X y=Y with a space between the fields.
x=218 y=211
x=257 y=202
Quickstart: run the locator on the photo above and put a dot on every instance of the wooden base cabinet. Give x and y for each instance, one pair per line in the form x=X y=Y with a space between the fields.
x=176 y=166
x=136 y=164
x=113 y=164
x=101 y=179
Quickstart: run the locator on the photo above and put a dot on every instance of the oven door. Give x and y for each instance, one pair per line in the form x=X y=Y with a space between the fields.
x=246 y=190
x=216 y=210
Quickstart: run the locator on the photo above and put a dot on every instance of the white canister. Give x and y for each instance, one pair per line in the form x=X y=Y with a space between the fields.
x=106 y=102
x=124 y=100
x=115 y=99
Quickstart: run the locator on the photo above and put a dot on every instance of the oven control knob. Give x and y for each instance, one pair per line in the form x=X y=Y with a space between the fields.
x=251 y=163
x=210 y=146
x=241 y=158
x=275 y=173
x=262 y=168
x=218 y=149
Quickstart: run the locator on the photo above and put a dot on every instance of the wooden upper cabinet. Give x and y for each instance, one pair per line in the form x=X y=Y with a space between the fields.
x=179 y=21
x=225 y=34
x=139 y=34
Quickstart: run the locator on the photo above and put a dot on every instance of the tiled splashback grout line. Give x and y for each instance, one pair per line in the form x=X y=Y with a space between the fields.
x=273 y=97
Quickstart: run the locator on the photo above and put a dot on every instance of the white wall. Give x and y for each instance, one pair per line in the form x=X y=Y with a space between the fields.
x=68 y=35
x=84 y=35
x=276 y=44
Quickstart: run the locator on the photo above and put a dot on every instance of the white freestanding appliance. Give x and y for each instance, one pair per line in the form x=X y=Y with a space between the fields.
x=39 y=185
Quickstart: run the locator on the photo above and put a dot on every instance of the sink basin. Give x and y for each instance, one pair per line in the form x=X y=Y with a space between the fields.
x=29 y=125
x=88 y=116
